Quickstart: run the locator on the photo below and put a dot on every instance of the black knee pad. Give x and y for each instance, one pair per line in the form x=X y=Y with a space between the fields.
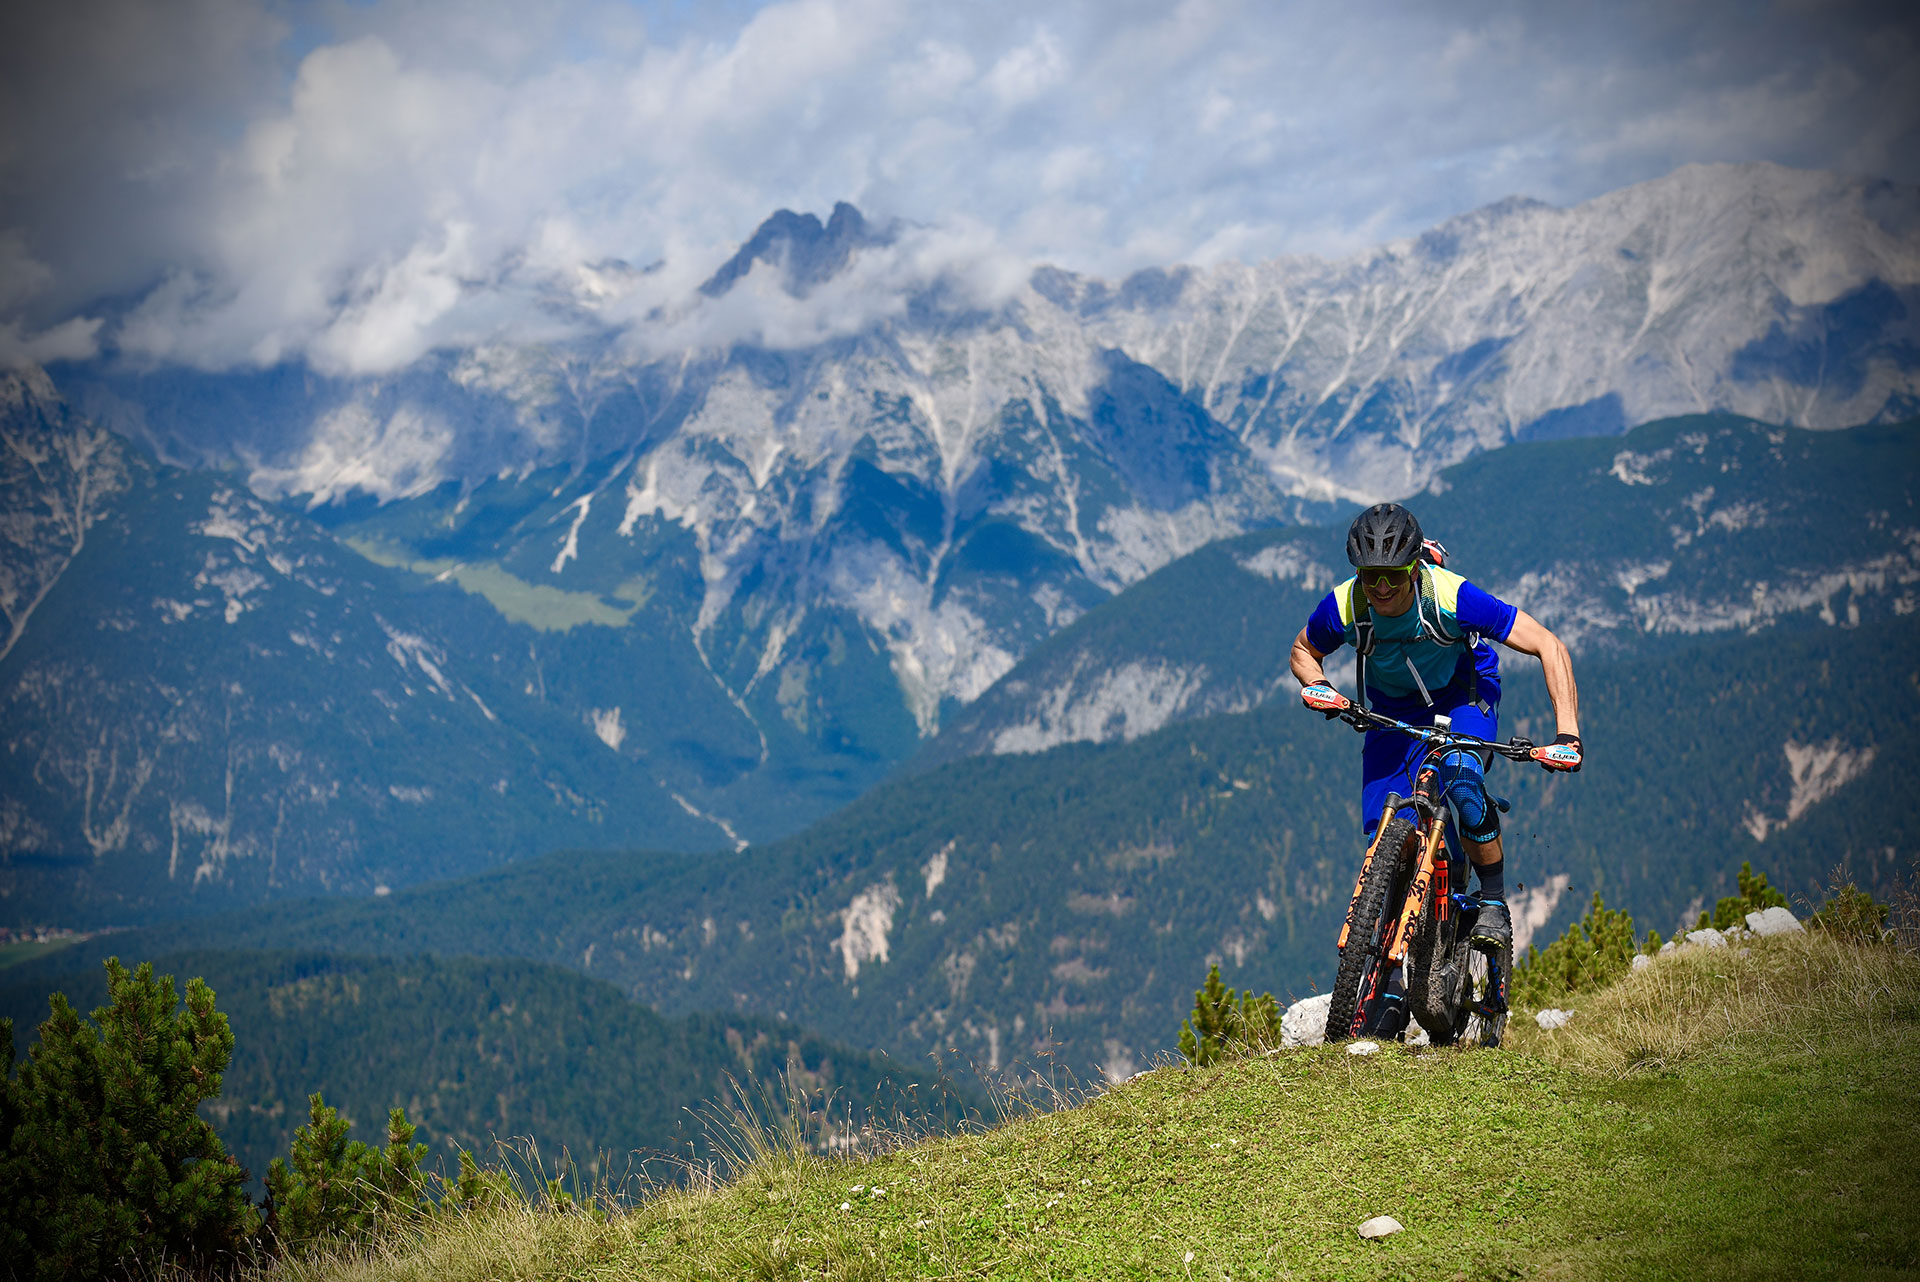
x=1479 y=817
x=1486 y=830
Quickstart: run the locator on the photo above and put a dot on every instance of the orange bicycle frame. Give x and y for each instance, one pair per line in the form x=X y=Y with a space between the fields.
x=1432 y=864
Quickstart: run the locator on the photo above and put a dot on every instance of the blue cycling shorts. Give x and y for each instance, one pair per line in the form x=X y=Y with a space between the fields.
x=1390 y=759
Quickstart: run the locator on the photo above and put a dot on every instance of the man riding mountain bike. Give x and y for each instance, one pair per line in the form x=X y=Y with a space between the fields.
x=1420 y=636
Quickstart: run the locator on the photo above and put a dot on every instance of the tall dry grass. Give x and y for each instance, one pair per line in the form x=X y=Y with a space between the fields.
x=767 y=1140
x=1774 y=994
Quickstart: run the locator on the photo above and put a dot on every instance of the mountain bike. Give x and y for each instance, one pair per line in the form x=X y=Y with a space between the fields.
x=1406 y=947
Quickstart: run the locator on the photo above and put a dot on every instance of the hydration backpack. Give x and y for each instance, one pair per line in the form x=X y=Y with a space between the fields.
x=1432 y=553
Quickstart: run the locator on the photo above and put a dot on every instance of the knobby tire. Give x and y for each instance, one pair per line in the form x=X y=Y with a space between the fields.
x=1434 y=981
x=1368 y=922
x=1475 y=1029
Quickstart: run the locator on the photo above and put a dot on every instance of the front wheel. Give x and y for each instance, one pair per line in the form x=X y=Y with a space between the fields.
x=1362 y=959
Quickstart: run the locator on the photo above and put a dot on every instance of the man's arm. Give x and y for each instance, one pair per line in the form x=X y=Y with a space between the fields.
x=1529 y=636
x=1306 y=661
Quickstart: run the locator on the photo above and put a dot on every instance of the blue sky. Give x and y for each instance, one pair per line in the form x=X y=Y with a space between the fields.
x=225 y=182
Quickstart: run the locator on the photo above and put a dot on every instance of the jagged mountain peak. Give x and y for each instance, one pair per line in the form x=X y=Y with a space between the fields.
x=818 y=551
x=807 y=251
x=27 y=386
x=843 y=537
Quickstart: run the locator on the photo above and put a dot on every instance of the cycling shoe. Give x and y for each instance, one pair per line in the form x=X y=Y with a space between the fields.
x=1493 y=929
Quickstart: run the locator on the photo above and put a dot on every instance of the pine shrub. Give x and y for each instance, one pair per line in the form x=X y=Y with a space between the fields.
x=1850 y=913
x=335 y=1189
x=107 y=1166
x=478 y=1187
x=1595 y=951
x=1222 y=1016
x=1755 y=896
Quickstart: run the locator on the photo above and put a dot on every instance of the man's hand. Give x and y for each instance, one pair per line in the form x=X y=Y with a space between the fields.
x=1563 y=753
x=1324 y=699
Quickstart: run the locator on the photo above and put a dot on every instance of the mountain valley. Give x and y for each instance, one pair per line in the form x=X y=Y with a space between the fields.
x=924 y=682
x=592 y=597
x=1059 y=908
x=544 y=1061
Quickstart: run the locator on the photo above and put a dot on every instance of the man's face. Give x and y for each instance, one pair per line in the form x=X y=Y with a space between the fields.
x=1389 y=589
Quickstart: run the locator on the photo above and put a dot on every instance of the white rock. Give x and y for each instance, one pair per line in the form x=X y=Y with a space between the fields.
x=1363 y=1048
x=1381 y=1226
x=1417 y=1036
x=1305 y=1023
x=1641 y=961
x=1708 y=938
x=1667 y=947
x=1552 y=1019
x=1773 y=921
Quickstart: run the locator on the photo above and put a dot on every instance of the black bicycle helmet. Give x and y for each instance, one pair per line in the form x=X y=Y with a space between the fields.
x=1384 y=534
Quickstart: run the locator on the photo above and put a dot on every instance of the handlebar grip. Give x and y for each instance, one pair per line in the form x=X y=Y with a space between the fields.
x=1557 y=756
x=1324 y=698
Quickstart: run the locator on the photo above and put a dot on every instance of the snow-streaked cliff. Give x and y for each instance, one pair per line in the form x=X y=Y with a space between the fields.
x=752 y=577
x=1120 y=425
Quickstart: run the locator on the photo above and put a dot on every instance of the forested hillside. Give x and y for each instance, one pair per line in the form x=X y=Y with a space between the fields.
x=1637 y=544
x=1065 y=904
x=499 y=1049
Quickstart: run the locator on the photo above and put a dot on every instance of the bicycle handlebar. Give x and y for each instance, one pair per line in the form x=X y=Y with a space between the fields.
x=1514 y=749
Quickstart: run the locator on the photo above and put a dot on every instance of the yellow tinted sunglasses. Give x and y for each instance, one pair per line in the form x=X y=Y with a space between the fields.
x=1390 y=576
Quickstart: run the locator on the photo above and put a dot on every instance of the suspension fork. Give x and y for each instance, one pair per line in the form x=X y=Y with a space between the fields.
x=1431 y=867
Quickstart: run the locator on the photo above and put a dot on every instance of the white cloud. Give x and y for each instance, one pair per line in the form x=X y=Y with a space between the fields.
x=392 y=324
x=70 y=340
x=1024 y=73
x=384 y=178
x=358 y=447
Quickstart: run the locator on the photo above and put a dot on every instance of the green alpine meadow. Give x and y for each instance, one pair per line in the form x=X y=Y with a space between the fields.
x=1714 y=1116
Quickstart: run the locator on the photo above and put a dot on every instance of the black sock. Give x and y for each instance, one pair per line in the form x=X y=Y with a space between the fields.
x=1493 y=880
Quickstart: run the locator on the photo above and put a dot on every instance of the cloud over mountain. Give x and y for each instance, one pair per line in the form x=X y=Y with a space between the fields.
x=238 y=183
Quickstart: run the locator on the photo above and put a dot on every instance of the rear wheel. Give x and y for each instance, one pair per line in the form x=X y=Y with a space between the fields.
x=1438 y=983
x=1482 y=1018
x=1361 y=961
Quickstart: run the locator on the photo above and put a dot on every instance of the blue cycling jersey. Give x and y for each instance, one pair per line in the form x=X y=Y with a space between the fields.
x=1426 y=651
x=1420 y=667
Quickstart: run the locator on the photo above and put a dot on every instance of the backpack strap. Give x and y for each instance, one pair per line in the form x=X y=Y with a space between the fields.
x=1362 y=638
x=1428 y=609
x=1431 y=627
x=1427 y=602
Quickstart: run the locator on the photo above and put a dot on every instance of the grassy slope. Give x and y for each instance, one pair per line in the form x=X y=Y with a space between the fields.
x=1714 y=1116
x=26 y=950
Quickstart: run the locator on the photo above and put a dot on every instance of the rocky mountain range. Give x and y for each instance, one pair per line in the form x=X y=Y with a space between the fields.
x=1707 y=525
x=686 y=596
